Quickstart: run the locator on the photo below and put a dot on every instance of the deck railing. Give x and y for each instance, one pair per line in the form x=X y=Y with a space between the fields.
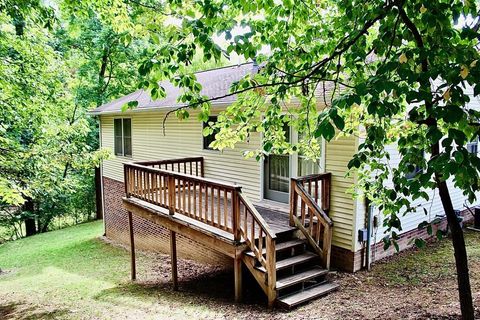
x=258 y=236
x=218 y=204
x=192 y=165
x=309 y=202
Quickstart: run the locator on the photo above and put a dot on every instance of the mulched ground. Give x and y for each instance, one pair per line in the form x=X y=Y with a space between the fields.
x=363 y=295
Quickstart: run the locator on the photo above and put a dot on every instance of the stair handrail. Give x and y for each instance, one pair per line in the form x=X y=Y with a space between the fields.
x=256 y=245
x=309 y=207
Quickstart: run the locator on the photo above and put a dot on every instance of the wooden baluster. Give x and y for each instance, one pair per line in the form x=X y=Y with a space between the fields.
x=219 y=209
x=200 y=206
x=225 y=208
x=142 y=185
x=310 y=187
x=136 y=182
x=206 y=202
x=310 y=225
x=252 y=236
x=149 y=182
x=319 y=230
x=302 y=210
x=245 y=226
x=260 y=241
x=212 y=205
x=185 y=167
x=189 y=198
x=194 y=198
x=163 y=189
x=154 y=187
x=196 y=169
x=191 y=168
x=184 y=203
x=326 y=191
x=316 y=191
x=178 y=166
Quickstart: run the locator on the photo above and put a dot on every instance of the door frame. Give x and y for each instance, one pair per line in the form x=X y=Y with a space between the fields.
x=293 y=168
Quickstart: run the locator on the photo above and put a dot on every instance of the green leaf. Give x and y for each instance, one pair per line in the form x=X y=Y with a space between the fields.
x=420 y=243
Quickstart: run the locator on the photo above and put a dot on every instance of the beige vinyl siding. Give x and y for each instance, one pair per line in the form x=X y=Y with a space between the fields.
x=342 y=208
x=182 y=139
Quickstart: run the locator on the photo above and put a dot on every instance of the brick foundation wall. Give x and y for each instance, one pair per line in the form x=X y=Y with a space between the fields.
x=148 y=235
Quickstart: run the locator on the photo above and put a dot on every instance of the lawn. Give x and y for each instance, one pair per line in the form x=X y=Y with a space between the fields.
x=74 y=274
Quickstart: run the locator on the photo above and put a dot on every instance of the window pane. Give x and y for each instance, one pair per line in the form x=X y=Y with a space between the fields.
x=128 y=146
x=306 y=167
x=127 y=137
x=127 y=127
x=279 y=177
x=117 y=128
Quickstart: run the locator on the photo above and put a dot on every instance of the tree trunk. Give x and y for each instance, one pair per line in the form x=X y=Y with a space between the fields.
x=461 y=260
x=98 y=194
x=458 y=241
x=30 y=226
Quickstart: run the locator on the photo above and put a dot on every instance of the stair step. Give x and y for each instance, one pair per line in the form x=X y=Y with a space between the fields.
x=297 y=298
x=300 y=277
x=292 y=261
x=280 y=246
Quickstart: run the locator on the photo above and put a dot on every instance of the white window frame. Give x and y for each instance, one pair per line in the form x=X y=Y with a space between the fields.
x=122 y=153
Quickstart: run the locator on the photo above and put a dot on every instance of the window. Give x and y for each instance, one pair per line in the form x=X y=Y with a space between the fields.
x=306 y=166
x=123 y=137
x=472 y=147
x=416 y=170
x=207 y=140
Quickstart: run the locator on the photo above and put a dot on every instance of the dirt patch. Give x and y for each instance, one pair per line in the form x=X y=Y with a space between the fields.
x=412 y=285
x=24 y=311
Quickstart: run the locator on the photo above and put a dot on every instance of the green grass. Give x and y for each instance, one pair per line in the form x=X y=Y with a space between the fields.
x=71 y=274
x=435 y=261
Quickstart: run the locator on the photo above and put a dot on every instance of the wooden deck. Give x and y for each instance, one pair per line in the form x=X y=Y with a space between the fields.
x=276 y=218
x=175 y=195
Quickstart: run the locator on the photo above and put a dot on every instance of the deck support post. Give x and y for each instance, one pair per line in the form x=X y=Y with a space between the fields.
x=133 y=271
x=293 y=201
x=237 y=271
x=173 y=257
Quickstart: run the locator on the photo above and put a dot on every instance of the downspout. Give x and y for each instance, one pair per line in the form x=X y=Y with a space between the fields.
x=101 y=176
x=369 y=215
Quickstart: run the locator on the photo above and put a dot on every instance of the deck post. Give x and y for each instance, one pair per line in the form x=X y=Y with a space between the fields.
x=173 y=257
x=293 y=201
x=271 y=272
x=171 y=194
x=237 y=270
x=133 y=271
x=236 y=215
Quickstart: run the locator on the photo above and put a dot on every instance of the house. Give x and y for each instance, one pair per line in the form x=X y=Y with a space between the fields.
x=170 y=192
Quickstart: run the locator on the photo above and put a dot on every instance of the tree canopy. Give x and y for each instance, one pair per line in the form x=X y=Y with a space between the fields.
x=388 y=71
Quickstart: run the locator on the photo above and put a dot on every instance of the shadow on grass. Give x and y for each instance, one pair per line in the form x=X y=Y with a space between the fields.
x=22 y=311
x=213 y=289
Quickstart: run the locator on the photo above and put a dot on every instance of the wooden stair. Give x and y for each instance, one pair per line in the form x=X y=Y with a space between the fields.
x=300 y=278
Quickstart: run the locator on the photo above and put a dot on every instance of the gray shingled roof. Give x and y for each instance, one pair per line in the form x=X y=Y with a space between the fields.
x=215 y=83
